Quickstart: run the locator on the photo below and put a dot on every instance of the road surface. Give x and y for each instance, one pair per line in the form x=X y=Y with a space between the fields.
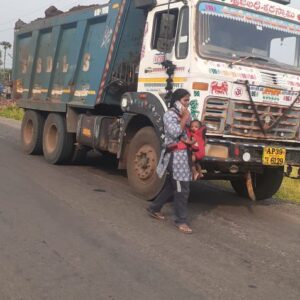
x=77 y=232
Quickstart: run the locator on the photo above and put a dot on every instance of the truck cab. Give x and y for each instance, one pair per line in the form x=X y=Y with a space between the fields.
x=240 y=61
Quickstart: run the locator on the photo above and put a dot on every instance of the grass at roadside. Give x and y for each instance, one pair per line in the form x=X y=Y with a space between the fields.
x=289 y=190
x=11 y=111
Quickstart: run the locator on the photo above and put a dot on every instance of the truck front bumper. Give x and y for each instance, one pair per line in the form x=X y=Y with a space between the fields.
x=245 y=154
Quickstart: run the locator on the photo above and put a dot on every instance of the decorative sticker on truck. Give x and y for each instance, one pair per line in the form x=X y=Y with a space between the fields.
x=248 y=17
x=219 y=88
x=270 y=95
x=101 y=11
x=158 y=58
x=237 y=73
x=238 y=92
x=194 y=108
x=107 y=37
x=156 y=84
x=266 y=8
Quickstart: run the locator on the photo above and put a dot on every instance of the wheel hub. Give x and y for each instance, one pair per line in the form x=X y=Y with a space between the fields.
x=52 y=138
x=145 y=162
x=28 y=132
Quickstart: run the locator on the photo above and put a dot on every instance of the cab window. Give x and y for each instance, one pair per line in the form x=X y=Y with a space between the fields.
x=158 y=28
x=182 y=39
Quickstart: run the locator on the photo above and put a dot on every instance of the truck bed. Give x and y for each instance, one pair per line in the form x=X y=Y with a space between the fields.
x=74 y=58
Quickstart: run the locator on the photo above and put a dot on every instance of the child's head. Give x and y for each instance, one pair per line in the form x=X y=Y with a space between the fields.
x=195 y=125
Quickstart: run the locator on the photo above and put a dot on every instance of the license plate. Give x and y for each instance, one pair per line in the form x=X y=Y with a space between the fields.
x=273 y=156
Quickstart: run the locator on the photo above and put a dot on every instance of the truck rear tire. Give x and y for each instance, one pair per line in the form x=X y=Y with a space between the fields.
x=58 y=144
x=32 y=132
x=265 y=185
x=142 y=159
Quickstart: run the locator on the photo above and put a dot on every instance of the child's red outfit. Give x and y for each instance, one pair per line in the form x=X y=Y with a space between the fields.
x=198 y=148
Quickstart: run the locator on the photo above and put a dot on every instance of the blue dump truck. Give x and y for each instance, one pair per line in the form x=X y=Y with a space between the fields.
x=100 y=77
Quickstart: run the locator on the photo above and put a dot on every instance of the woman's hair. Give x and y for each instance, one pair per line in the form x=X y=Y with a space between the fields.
x=177 y=95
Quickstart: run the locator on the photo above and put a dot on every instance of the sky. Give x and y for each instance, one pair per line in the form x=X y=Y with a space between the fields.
x=28 y=10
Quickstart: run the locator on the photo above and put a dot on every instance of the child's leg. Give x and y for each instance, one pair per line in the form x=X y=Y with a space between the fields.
x=195 y=172
x=194 y=168
x=199 y=169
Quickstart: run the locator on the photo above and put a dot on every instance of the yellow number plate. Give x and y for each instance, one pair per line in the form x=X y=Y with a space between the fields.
x=273 y=156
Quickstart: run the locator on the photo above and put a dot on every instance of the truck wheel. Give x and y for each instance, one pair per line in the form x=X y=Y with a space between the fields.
x=32 y=132
x=58 y=144
x=142 y=159
x=265 y=185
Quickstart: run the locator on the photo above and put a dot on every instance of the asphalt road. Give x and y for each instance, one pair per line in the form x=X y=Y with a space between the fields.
x=77 y=232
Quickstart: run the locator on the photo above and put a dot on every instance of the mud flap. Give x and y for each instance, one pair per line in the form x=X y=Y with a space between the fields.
x=249 y=185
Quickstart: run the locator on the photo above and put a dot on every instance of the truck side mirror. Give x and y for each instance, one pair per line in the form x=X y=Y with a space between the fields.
x=166 y=33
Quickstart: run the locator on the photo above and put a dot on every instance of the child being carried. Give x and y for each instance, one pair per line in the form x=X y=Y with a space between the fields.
x=196 y=143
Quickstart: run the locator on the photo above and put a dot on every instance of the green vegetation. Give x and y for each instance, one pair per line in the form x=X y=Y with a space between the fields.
x=11 y=111
x=290 y=189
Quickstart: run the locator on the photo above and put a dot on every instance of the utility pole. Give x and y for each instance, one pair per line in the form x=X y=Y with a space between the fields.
x=1 y=65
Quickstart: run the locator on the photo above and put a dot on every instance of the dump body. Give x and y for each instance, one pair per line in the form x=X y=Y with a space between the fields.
x=71 y=58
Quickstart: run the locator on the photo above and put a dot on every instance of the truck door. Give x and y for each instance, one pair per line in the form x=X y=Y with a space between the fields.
x=152 y=75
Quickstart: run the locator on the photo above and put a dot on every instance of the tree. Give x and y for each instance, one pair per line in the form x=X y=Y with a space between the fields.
x=5 y=45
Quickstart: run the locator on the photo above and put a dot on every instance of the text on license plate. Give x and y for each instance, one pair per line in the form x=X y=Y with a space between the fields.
x=273 y=156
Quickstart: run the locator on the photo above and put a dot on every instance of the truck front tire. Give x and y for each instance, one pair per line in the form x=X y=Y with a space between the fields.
x=58 y=144
x=265 y=185
x=32 y=132
x=142 y=159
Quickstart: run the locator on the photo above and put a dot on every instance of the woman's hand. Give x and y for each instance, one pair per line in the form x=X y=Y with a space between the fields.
x=185 y=113
x=185 y=116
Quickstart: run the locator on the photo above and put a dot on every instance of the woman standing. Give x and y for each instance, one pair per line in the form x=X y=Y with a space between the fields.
x=175 y=163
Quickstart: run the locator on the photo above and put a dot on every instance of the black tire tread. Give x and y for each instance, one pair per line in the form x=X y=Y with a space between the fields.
x=65 y=145
x=36 y=147
x=265 y=185
x=145 y=135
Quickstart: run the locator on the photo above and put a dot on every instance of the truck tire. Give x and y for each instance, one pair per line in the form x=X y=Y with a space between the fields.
x=142 y=159
x=32 y=132
x=58 y=144
x=265 y=185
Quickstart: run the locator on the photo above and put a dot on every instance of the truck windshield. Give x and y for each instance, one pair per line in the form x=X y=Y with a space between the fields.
x=231 y=33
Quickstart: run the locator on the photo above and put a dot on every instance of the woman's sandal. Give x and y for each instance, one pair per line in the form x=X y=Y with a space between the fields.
x=184 y=228
x=156 y=215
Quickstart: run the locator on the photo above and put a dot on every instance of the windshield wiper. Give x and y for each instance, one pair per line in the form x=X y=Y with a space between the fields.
x=243 y=58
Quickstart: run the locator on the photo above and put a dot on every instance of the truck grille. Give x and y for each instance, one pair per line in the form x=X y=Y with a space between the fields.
x=245 y=123
x=215 y=114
